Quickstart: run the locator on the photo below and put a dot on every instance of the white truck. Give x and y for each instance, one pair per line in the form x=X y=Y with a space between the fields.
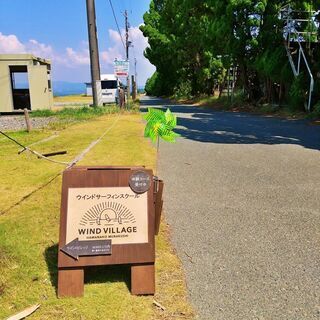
x=109 y=88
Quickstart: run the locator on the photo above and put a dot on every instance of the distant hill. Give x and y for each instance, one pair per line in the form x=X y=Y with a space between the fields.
x=64 y=88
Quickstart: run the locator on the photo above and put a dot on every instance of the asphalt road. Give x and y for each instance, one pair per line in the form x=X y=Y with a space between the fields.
x=242 y=199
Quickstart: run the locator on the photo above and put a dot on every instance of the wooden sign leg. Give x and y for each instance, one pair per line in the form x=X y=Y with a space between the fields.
x=70 y=282
x=143 y=279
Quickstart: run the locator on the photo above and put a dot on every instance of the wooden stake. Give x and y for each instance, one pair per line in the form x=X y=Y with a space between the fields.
x=70 y=282
x=28 y=123
x=143 y=279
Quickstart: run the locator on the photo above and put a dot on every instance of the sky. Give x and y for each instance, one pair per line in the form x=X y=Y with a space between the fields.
x=57 y=30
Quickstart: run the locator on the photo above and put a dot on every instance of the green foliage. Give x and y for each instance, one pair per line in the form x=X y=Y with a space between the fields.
x=297 y=94
x=160 y=125
x=183 y=90
x=192 y=44
x=153 y=85
x=316 y=111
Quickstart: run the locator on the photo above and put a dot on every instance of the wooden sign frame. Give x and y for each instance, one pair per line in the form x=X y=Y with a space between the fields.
x=141 y=256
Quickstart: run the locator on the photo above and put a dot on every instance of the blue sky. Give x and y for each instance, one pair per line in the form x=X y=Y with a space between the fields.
x=58 y=30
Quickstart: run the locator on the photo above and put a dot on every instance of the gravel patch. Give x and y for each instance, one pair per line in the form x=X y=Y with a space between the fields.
x=18 y=122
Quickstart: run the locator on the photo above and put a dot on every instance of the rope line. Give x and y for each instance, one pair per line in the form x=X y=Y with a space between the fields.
x=67 y=164
x=33 y=151
x=84 y=152
x=40 y=141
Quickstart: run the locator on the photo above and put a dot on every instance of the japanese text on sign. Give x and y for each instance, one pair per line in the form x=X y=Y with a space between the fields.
x=121 y=68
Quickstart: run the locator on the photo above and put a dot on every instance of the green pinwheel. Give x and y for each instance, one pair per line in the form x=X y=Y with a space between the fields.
x=160 y=124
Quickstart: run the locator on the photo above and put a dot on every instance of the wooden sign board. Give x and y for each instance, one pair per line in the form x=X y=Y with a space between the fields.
x=105 y=222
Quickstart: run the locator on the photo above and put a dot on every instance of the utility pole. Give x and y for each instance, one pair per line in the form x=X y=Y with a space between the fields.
x=127 y=54
x=94 y=52
x=134 y=95
x=136 y=76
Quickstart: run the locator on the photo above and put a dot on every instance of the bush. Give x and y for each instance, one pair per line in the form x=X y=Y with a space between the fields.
x=297 y=94
x=183 y=90
x=153 y=85
x=316 y=111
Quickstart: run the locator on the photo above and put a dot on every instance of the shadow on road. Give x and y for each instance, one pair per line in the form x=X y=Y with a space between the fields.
x=198 y=124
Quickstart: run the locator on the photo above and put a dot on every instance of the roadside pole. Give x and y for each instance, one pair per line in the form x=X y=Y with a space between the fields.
x=94 y=53
x=127 y=56
x=134 y=91
x=135 y=77
x=28 y=122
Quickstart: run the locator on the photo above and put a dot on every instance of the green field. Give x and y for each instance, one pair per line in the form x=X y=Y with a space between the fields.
x=29 y=222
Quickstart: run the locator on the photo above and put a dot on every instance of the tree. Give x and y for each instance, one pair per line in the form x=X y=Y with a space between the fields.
x=192 y=44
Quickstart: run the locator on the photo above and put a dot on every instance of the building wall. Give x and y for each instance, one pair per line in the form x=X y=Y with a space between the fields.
x=41 y=96
x=6 y=100
x=89 y=90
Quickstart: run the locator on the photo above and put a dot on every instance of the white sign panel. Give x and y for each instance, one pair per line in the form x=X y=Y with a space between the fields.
x=118 y=214
x=121 y=68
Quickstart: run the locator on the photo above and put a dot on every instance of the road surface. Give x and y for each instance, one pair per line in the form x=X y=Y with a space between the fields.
x=242 y=199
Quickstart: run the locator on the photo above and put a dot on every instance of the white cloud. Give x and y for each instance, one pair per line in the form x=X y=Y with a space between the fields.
x=115 y=36
x=39 y=49
x=140 y=43
x=115 y=51
x=10 y=44
x=110 y=55
x=144 y=68
x=78 y=59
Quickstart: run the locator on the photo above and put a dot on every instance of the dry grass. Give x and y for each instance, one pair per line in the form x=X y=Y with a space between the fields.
x=29 y=231
x=73 y=98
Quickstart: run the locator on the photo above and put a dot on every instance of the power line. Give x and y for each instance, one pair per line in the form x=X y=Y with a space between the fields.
x=115 y=19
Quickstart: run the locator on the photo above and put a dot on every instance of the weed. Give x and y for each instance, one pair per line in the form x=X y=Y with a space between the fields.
x=315 y=114
x=77 y=113
x=2 y=288
x=42 y=113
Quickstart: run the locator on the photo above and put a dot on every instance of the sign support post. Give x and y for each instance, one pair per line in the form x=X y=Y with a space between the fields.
x=121 y=69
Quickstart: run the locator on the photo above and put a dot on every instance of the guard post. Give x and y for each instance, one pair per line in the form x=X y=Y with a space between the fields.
x=109 y=216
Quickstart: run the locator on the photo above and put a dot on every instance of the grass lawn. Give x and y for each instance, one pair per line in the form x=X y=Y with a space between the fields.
x=73 y=98
x=76 y=113
x=29 y=230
